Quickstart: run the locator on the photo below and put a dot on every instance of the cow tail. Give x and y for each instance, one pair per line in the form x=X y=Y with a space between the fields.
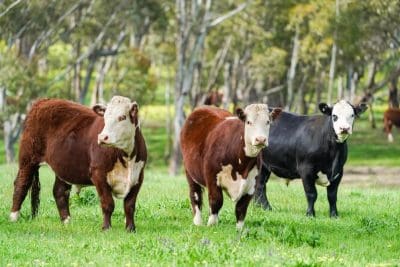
x=35 y=194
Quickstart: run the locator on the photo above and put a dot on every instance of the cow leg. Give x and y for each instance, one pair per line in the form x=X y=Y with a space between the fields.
x=311 y=192
x=130 y=205
x=389 y=132
x=260 y=196
x=106 y=199
x=22 y=183
x=332 y=190
x=196 y=199
x=215 y=200
x=61 y=192
x=241 y=210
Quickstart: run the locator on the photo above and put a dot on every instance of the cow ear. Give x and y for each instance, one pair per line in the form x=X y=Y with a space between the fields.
x=133 y=112
x=275 y=113
x=99 y=109
x=325 y=109
x=360 y=109
x=240 y=113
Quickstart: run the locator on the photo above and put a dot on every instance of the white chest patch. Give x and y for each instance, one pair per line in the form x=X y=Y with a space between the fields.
x=121 y=179
x=239 y=187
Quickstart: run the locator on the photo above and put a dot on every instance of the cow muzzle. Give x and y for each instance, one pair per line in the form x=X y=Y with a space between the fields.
x=103 y=139
x=260 y=141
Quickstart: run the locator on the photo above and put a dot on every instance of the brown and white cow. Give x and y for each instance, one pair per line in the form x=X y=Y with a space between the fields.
x=103 y=147
x=219 y=152
x=391 y=118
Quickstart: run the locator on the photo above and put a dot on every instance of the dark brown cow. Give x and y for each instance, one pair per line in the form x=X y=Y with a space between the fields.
x=219 y=152
x=66 y=136
x=391 y=117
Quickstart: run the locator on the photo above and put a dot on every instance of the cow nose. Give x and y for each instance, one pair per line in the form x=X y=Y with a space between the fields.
x=102 y=138
x=345 y=129
x=261 y=140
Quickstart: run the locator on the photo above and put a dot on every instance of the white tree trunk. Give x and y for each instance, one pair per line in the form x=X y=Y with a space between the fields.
x=333 y=60
x=292 y=70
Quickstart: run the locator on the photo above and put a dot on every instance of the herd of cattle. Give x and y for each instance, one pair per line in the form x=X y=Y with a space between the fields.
x=104 y=147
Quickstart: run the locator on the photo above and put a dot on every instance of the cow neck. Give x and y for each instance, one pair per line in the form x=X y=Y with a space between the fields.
x=131 y=151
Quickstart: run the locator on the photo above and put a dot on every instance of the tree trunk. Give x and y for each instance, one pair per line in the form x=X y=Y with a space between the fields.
x=77 y=72
x=193 y=24
x=12 y=128
x=353 y=87
x=292 y=70
x=227 y=85
x=393 y=93
x=318 y=90
x=333 y=60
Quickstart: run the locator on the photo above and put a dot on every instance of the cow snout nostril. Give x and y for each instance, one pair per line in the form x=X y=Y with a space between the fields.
x=260 y=140
x=105 y=138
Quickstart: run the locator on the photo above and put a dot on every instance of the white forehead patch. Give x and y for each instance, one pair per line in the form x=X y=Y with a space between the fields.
x=117 y=106
x=257 y=110
x=342 y=108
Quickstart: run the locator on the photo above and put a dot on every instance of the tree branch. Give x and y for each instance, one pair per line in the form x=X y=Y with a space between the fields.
x=9 y=8
x=229 y=14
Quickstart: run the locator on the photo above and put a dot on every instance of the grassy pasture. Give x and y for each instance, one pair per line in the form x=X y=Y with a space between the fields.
x=366 y=233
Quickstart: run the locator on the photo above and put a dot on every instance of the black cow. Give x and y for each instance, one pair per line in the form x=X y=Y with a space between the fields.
x=302 y=146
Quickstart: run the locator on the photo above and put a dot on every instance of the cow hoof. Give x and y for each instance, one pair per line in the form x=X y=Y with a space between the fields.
x=106 y=228
x=197 y=221
x=263 y=203
x=334 y=215
x=131 y=229
x=310 y=214
x=239 y=226
x=212 y=220
x=66 y=220
x=14 y=216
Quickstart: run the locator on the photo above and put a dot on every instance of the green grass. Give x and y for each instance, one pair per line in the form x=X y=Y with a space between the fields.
x=367 y=233
x=369 y=147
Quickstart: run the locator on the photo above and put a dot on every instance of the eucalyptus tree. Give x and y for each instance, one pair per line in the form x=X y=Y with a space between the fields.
x=194 y=19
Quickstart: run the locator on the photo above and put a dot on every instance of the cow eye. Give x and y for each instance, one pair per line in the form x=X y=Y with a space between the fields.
x=249 y=123
x=352 y=115
x=268 y=122
x=121 y=118
x=334 y=117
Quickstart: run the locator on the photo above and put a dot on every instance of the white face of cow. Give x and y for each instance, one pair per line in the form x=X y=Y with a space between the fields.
x=342 y=115
x=120 y=122
x=257 y=120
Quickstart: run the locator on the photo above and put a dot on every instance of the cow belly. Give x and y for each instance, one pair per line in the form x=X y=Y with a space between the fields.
x=121 y=179
x=239 y=187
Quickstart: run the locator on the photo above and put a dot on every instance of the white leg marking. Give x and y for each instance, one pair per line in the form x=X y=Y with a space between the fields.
x=66 y=220
x=239 y=225
x=14 y=216
x=196 y=197
x=213 y=219
x=197 y=216
x=322 y=181
x=390 y=137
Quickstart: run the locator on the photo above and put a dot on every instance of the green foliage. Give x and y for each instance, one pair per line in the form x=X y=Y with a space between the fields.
x=133 y=79
x=22 y=80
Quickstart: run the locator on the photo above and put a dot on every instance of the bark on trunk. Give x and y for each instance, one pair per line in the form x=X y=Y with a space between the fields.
x=393 y=94
x=333 y=60
x=292 y=71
